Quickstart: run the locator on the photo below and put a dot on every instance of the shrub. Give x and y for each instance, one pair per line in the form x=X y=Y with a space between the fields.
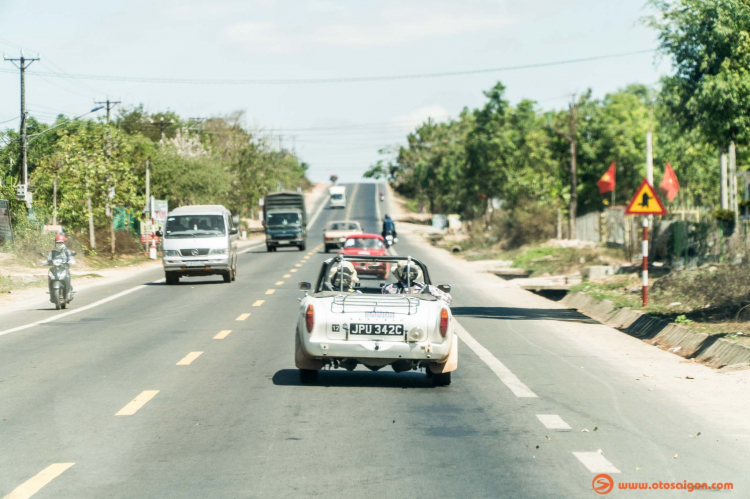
x=529 y=222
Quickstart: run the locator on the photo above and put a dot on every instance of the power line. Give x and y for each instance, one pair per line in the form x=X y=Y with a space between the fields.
x=8 y=121
x=355 y=79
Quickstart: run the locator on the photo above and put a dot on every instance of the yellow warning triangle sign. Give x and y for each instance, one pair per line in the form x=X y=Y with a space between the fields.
x=645 y=202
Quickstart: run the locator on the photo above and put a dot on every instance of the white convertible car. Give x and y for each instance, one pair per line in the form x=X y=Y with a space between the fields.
x=345 y=322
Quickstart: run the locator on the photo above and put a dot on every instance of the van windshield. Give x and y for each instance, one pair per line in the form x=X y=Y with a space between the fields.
x=337 y=196
x=194 y=226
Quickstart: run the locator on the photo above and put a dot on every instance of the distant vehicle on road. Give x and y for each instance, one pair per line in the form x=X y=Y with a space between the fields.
x=199 y=240
x=285 y=220
x=336 y=232
x=370 y=245
x=337 y=196
x=345 y=322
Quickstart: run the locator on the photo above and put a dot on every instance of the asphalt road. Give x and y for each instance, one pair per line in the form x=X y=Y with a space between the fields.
x=101 y=388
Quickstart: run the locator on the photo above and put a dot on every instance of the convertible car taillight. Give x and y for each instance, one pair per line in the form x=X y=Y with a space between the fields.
x=443 y=322
x=310 y=318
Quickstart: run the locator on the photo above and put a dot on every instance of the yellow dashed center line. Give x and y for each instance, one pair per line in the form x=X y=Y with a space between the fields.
x=189 y=358
x=222 y=334
x=137 y=403
x=298 y=265
x=270 y=291
x=36 y=482
x=292 y=270
x=243 y=317
x=307 y=258
x=287 y=276
x=279 y=283
x=258 y=303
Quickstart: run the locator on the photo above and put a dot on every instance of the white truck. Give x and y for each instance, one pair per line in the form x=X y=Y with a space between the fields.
x=337 y=196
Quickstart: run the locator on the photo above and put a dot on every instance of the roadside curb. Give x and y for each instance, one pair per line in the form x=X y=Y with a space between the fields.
x=710 y=350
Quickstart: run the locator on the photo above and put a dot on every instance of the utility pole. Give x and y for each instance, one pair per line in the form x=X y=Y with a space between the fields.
x=109 y=105
x=162 y=126
x=570 y=136
x=733 y=201
x=22 y=63
x=723 y=180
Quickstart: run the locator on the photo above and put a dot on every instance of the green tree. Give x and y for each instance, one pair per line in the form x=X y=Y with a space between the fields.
x=709 y=44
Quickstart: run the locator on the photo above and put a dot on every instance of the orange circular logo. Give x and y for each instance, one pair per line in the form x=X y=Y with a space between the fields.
x=602 y=484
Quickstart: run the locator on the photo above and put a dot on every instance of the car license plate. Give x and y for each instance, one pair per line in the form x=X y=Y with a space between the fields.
x=194 y=264
x=377 y=329
x=284 y=242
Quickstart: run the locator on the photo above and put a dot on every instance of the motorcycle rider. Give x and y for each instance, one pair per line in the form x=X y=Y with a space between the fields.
x=60 y=251
x=409 y=277
x=388 y=227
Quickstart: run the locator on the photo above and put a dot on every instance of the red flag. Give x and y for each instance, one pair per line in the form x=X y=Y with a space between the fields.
x=669 y=184
x=607 y=182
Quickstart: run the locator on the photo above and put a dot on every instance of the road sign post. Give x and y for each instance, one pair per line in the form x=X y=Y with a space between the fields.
x=645 y=202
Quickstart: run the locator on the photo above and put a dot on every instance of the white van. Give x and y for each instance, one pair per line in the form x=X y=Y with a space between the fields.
x=337 y=196
x=199 y=241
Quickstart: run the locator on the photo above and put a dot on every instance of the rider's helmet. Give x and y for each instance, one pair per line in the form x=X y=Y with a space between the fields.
x=406 y=271
x=60 y=242
x=343 y=274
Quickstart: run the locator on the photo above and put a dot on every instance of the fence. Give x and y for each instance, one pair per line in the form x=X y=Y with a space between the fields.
x=683 y=238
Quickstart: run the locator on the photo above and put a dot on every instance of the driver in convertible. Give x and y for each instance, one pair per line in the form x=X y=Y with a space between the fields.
x=343 y=277
x=410 y=275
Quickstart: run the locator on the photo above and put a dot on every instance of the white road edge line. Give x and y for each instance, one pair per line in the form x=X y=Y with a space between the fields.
x=35 y=483
x=250 y=248
x=553 y=422
x=508 y=378
x=79 y=310
x=595 y=462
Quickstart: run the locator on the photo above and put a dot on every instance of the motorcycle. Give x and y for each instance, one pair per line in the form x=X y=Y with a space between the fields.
x=382 y=198
x=58 y=280
x=390 y=240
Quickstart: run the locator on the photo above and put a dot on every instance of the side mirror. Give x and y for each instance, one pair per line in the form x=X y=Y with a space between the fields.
x=74 y=253
x=305 y=286
x=159 y=233
x=445 y=288
x=233 y=231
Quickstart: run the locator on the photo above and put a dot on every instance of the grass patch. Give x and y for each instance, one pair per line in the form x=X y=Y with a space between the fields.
x=9 y=284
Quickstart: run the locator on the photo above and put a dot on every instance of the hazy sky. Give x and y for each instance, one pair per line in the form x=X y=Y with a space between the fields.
x=263 y=39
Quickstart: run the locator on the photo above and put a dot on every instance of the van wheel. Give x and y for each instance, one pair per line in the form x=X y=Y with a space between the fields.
x=227 y=276
x=302 y=247
x=327 y=248
x=268 y=248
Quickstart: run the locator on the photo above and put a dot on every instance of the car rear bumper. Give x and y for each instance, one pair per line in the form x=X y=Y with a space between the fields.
x=369 y=349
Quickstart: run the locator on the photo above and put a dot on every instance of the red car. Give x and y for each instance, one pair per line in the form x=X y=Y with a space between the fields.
x=371 y=245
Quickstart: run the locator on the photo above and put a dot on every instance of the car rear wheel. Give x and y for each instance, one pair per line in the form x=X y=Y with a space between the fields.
x=308 y=376
x=439 y=379
x=227 y=276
